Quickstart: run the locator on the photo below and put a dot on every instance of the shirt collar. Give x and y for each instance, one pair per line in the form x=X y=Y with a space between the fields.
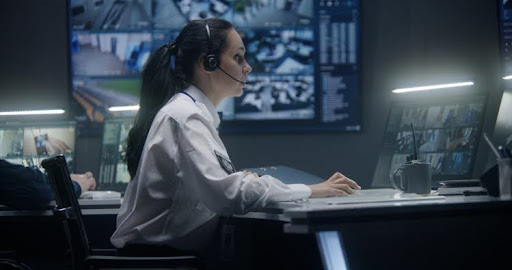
x=200 y=97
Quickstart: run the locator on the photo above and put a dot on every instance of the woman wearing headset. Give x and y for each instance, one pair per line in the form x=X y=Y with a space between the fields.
x=182 y=177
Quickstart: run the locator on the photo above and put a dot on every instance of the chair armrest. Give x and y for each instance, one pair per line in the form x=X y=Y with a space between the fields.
x=143 y=262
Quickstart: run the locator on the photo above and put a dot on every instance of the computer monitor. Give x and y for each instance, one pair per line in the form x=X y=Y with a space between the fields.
x=502 y=134
x=447 y=129
x=113 y=173
x=29 y=143
x=305 y=58
x=505 y=25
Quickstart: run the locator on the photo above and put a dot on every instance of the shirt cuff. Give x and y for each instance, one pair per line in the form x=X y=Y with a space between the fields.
x=300 y=191
x=77 y=188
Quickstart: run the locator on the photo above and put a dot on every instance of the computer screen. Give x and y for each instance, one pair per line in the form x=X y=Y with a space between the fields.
x=447 y=129
x=503 y=130
x=305 y=56
x=505 y=23
x=113 y=173
x=29 y=143
x=502 y=134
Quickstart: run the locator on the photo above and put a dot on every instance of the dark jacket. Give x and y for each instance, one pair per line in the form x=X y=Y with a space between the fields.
x=25 y=188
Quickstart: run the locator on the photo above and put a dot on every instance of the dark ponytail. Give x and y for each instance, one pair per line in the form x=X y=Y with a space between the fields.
x=160 y=82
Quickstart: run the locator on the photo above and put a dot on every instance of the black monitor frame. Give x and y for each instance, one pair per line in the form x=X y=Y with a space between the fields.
x=460 y=148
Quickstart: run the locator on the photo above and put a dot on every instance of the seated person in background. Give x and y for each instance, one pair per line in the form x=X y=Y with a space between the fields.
x=28 y=188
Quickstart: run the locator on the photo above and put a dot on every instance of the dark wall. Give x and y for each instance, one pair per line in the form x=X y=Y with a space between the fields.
x=404 y=43
x=34 y=66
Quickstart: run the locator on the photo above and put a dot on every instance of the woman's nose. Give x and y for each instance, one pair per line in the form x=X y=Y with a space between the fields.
x=247 y=69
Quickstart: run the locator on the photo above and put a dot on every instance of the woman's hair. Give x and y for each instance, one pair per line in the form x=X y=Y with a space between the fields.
x=160 y=81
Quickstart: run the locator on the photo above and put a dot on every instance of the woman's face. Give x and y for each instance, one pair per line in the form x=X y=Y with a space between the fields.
x=232 y=61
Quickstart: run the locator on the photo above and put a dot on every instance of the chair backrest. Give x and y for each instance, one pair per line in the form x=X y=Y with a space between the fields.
x=67 y=208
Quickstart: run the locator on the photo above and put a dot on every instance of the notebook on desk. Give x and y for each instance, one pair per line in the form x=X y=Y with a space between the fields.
x=461 y=187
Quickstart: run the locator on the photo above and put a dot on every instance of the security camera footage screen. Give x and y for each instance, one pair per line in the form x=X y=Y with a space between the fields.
x=447 y=135
x=305 y=58
x=29 y=143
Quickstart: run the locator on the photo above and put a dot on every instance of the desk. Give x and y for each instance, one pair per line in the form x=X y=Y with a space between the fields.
x=459 y=232
x=455 y=233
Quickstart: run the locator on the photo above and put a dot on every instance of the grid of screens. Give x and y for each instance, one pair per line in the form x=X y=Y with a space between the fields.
x=304 y=55
x=113 y=171
x=447 y=134
x=29 y=143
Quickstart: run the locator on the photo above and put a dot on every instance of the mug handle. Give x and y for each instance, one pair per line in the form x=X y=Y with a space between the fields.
x=393 y=182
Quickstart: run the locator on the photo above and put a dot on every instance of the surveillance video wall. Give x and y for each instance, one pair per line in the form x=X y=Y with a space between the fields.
x=305 y=58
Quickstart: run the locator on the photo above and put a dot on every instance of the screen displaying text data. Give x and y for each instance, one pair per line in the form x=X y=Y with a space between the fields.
x=305 y=58
x=114 y=173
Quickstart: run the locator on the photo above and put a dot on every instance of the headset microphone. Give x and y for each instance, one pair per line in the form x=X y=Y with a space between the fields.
x=235 y=79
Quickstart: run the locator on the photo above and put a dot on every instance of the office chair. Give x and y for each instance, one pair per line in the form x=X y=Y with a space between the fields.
x=68 y=209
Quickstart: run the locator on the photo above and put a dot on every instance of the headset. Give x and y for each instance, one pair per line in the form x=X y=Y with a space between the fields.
x=211 y=61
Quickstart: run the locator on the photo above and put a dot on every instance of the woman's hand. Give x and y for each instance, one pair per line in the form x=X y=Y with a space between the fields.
x=337 y=184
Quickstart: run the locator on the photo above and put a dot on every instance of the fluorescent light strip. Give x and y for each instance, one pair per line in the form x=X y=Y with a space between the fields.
x=124 y=108
x=431 y=87
x=34 y=112
x=507 y=77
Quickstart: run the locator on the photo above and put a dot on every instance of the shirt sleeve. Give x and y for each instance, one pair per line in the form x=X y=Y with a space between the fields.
x=77 y=189
x=221 y=192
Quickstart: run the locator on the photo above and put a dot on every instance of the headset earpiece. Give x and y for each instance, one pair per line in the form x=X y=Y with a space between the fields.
x=211 y=61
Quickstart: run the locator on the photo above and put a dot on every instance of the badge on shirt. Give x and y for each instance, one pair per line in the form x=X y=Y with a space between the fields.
x=225 y=163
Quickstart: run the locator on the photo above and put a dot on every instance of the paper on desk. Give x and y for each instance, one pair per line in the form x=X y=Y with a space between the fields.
x=375 y=195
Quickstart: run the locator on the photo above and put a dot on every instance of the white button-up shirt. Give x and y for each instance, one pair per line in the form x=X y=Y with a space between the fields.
x=181 y=183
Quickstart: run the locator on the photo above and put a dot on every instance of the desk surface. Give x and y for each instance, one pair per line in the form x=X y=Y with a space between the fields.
x=307 y=216
x=312 y=210
x=89 y=207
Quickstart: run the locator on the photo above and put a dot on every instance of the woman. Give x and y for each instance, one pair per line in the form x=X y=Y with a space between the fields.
x=182 y=177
